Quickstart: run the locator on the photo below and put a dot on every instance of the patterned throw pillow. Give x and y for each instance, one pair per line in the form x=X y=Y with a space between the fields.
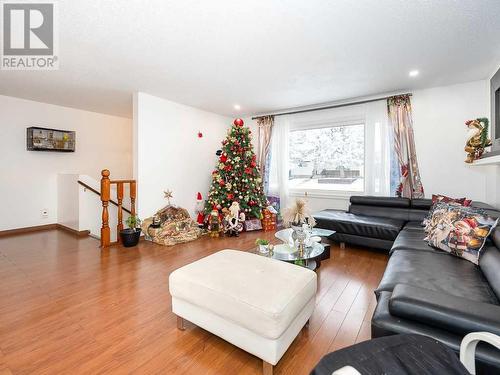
x=436 y=198
x=439 y=198
x=459 y=230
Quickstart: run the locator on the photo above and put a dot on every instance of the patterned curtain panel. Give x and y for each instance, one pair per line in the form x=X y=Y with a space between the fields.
x=410 y=185
x=265 y=125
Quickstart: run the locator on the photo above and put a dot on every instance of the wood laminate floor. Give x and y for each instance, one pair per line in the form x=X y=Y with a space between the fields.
x=66 y=307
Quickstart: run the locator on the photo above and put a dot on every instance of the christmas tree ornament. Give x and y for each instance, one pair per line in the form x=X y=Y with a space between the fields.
x=238 y=122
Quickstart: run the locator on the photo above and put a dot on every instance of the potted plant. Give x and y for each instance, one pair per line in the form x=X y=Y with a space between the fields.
x=263 y=245
x=130 y=236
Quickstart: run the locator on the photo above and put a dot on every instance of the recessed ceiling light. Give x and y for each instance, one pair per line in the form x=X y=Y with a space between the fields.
x=237 y=107
x=413 y=73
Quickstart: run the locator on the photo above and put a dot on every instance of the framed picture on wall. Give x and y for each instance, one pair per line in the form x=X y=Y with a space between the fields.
x=46 y=139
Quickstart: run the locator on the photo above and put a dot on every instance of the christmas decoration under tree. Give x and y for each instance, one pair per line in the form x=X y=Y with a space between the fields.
x=236 y=177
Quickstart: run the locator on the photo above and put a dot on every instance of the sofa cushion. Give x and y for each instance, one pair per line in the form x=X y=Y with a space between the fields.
x=489 y=262
x=414 y=225
x=421 y=203
x=367 y=200
x=444 y=311
x=359 y=225
x=495 y=236
x=488 y=208
x=411 y=238
x=437 y=271
x=417 y=214
x=261 y=294
x=397 y=213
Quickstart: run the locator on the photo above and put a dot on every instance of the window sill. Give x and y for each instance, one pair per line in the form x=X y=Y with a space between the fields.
x=345 y=195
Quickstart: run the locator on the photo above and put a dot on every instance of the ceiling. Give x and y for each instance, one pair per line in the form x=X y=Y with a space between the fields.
x=264 y=55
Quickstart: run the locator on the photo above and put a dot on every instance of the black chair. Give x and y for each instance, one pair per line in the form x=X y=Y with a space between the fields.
x=404 y=354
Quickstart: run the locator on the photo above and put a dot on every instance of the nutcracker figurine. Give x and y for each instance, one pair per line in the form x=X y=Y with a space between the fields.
x=214 y=223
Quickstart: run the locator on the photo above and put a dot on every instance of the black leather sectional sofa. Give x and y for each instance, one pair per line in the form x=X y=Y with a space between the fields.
x=424 y=290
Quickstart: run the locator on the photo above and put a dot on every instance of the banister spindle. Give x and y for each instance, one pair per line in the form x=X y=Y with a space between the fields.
x=105 y=197
x=119 y=198
x=133 y=194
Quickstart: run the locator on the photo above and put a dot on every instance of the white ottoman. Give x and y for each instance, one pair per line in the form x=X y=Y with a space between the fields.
x=256 y=303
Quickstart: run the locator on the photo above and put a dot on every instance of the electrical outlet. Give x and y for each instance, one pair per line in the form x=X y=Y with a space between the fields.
x=45 y=213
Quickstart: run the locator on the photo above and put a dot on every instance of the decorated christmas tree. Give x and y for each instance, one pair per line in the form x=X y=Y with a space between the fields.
x=236 y=177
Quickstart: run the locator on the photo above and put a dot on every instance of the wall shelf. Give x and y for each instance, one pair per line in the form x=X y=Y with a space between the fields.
x=491 y=160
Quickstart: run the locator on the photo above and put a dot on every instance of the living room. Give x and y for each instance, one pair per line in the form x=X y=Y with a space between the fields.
x=250 y=187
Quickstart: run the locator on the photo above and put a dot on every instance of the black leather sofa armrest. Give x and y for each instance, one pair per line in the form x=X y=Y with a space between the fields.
x=451 y=313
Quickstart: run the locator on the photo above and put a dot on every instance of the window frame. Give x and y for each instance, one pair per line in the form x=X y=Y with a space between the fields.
x=321 y=124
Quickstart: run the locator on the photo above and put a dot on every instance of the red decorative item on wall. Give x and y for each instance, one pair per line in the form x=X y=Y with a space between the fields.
x=238 y=122
x=200 y=135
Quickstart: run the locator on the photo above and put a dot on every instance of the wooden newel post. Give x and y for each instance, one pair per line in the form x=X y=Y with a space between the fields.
x=119 y=198
x=105 y=197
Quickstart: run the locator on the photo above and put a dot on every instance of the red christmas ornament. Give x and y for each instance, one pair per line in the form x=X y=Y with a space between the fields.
x=200 y=135
x=253 y=164
x=228 y=167
x=248 y=170
x=238 y=122
x=230 y=196
x=223 y=158
x=221 y=182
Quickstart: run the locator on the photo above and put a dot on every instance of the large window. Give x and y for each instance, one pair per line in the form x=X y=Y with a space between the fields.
x=327 y=158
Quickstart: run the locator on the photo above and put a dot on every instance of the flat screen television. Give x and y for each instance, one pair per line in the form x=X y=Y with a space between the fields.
x=495 y=113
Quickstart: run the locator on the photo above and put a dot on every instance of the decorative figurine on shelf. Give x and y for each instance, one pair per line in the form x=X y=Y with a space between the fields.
x=233 y=221
x=477 y=139
x=199 y=209
x=214 y=223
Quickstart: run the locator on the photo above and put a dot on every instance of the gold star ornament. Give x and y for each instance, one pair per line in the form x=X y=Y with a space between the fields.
x=168 y=195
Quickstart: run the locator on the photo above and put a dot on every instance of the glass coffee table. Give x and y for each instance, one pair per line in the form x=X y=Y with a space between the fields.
x=313 y=253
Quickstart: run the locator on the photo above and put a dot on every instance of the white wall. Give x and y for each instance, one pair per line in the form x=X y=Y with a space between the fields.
x=440 y=133
x=168 y=153
x=68 y=201
x=28 y=179
x=439 y=115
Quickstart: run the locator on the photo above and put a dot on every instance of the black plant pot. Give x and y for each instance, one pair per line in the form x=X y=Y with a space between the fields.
x=130 y=237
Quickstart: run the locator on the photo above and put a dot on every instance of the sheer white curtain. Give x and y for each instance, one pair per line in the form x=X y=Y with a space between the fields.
x=377 y=149
x=279 y=169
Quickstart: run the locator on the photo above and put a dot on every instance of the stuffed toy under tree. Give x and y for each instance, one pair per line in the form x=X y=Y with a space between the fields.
x=236 y=177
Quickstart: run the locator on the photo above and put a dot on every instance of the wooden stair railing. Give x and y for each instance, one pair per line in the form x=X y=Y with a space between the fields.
x=106 y=198
x=90 y=188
